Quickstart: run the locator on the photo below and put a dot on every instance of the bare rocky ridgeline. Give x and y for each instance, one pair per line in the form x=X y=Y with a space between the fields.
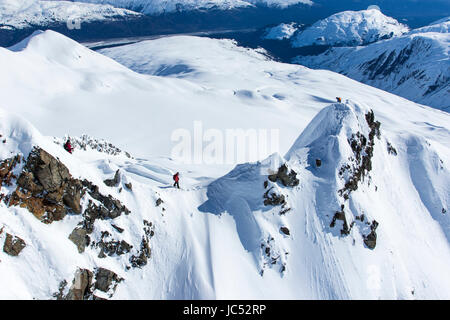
x=44 y=186
x=284 y=177
x=357 y=170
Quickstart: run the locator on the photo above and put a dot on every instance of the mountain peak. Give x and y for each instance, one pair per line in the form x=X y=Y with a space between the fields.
x=350 y=28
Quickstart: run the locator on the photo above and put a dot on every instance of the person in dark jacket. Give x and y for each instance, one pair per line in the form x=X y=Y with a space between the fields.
x=176 y=178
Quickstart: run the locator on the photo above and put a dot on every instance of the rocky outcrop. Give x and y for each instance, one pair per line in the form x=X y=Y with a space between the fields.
x=80 y=238
x=81 y=285
x=13 y=245
x=272 y=198
x=86 y=142
x=159 y=201
x=141 y=259
x=271 y=256
x=391 y=150
x=106 y=207
x=111 y=247
x=114 y=181
x=85 y=282
x=46 y=188
x=285 y=231
x=6 y=170
x=360 y=164
x=287 y=178
x=371 y=239
x=106 y=281
x=340 y=215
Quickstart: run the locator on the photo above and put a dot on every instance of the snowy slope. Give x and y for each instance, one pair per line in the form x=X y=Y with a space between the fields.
x=30 y=13
x=158 y=6
x=199 y=233
x=350 y=28
x=216 y=234
x=415 y=66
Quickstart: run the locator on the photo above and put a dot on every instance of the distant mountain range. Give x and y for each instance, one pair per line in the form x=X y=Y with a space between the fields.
x=414 y=65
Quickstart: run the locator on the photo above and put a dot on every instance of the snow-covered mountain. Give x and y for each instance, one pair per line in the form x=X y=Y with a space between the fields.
x=20 y=14
x=415 y=66
x=154 y=7
x=350 y=28
x=281 y=32
x=356 y=207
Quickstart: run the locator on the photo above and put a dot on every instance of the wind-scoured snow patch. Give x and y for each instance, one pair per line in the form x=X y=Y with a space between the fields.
x=350 y=28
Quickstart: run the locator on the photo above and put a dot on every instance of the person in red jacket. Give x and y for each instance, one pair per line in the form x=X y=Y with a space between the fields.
x=68 y=146
x=176 y=178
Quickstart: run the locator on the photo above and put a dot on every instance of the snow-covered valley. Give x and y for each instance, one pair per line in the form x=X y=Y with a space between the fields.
x=353 y=204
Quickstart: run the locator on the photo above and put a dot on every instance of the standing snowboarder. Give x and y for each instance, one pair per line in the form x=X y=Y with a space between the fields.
x=176 y=178
x=339 y=99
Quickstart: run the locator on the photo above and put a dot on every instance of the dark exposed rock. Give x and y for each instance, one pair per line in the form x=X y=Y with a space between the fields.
x=114 y=181
x=85 y=283
x=80 y=238
x=81 y=285
x=273 y=199
x=271 y=256
x=113 y=247
x=159 y=202
x=13 y=245
x=266 y=184
x=371 y=239
x=362 y=148
x=129 y=186
x=120 y=230
x=6 y=170
x=284 y=211
x=106 y=280
x=285 y=230
x=46 y=188
x=318 y=163
x=287 y=178
x=144 y=254
x=340 y=215
x=141 y=258
x=391 y=150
